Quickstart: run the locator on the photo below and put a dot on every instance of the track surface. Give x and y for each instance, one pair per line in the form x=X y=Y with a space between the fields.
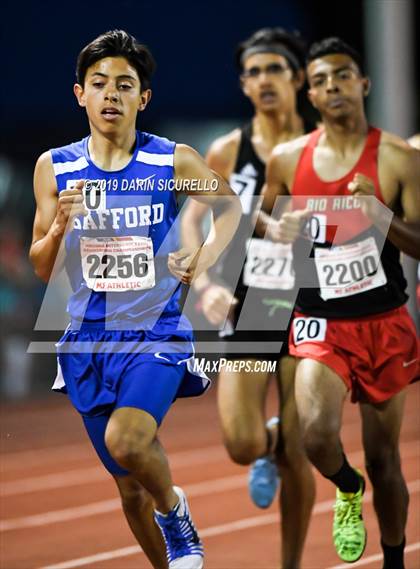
x=60 y=509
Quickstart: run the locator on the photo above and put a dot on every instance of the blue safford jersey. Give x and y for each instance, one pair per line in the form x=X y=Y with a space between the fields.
x=116 y=255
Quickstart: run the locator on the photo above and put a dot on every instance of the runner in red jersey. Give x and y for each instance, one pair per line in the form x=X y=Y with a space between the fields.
x=351 y=330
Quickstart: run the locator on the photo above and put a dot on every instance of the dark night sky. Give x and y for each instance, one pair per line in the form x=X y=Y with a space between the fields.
x=193 y=43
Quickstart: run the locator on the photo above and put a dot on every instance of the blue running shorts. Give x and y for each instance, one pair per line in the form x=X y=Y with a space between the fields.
x=103 y=370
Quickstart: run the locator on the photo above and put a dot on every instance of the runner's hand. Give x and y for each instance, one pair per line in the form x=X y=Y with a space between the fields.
x=70 y=204
x=186 y=264
x=216 y=301
x=363 y=187
x=288 y=228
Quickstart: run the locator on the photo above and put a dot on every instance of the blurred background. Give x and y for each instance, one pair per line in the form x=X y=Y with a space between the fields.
x=196 y=97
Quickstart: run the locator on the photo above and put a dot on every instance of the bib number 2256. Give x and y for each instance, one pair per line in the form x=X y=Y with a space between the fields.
x=117 y=266
x=117 y=263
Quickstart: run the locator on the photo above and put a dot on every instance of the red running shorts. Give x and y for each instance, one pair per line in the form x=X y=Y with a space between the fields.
x=375 y=356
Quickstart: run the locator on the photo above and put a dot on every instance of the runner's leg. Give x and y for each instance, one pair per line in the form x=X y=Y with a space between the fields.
x=241 y=401
x=381 y=431
x=131 y=440
x=320 y=395
x=138 y=508
x=136 y=502
x=297 y=493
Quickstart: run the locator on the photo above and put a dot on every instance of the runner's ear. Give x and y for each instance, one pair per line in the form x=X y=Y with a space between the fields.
x=299 y=79
x=145 y=97
x=309 y=95
x=243 y=86
x=366 y=86
x=79 y=94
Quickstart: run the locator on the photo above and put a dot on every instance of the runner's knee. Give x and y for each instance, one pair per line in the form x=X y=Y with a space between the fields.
x=383 y=462
x=319 y=438
x=128 y=448
x=244 y=450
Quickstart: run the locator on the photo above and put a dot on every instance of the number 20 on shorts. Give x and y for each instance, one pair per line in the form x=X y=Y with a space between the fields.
x=309 y=329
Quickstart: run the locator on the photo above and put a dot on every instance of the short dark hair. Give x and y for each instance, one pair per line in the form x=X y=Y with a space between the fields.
x=117 y=43
x=332 y=45
x=292 y=42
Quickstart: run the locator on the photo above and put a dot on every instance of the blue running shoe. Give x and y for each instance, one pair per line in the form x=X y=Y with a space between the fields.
x=184 y=549
x=263 y=481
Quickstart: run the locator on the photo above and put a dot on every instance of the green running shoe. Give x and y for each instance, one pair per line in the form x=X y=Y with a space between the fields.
x=349 y=532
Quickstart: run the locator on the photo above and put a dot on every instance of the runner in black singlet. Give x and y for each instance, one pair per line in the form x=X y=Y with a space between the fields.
x=259 y=305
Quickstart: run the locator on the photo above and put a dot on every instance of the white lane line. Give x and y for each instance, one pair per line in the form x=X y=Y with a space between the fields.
x=238 y=525
x=82 y=476
x=77 y=452
x=105 y=506
x=54 y=454
x=50 y=481
x=105 y=556
x=46 y=455
x=65 y=515
x=376 y=557
x=200 y=489
x=180 y=459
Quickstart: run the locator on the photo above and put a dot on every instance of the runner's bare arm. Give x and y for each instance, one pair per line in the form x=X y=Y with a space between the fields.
x=404 y=232
x=220 y=158
x=225 y=206
x=51 y=217
x=279 y=176
x=400 y=166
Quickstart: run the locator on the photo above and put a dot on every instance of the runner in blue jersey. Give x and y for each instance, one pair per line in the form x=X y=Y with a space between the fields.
x=127 y=353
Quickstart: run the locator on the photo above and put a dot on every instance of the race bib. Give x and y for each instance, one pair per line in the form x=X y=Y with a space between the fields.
x=309 y=329
x=244 y=185
x=94 y=193
x=349 y=269
x=268 y=265
x=316 y=228
x=117 y=264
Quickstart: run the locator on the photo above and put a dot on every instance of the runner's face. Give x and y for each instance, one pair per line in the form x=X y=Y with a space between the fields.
x=336 y=87
x=268 y=81
x=112 y=95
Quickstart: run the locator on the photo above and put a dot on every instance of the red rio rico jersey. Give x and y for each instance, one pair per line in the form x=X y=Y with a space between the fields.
x=352 y=269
